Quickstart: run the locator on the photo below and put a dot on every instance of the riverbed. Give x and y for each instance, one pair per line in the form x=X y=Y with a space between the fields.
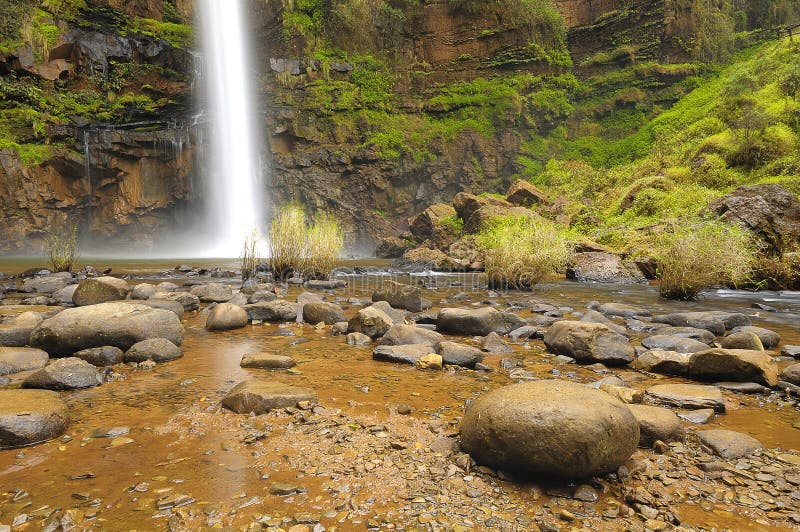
x=148 y=439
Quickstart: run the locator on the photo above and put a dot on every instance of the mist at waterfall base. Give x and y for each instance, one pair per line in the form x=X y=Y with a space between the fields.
x=233 y=201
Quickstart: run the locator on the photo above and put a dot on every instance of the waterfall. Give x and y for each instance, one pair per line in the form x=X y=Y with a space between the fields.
x=234 y=202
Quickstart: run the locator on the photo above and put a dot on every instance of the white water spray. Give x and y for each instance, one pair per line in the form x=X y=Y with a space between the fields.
x=234 y=202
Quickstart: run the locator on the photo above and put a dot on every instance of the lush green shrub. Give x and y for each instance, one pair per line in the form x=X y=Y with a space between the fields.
x=692 y=258
x=520 y=251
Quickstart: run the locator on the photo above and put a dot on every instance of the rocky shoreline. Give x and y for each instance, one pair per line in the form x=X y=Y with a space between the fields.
x=348 y=413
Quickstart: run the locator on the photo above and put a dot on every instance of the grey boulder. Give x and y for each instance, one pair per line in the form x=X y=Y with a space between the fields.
x=116 y=324
x=64 y=374
x=588 y=343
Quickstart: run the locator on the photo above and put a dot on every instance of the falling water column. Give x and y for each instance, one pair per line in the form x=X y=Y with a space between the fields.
x=234 y=201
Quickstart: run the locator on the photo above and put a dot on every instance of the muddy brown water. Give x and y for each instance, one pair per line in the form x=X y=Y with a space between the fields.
x=179 y=439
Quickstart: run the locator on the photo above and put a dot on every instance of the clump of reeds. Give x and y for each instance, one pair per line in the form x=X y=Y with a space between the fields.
x=325 y=241
x=520 y=252
x=695 y=257
x=61 y=247
x=250 y=256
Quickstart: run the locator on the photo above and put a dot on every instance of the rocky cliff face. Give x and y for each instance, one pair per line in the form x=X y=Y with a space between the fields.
x=373 y=131
x=107 y=142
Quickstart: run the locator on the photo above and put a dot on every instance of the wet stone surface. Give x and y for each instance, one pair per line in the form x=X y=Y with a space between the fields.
x=377 y=446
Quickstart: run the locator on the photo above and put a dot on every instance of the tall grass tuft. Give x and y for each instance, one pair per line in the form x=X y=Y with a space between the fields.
x=61 y=247
x=250 y=257
x=520 y=252
x=325 y=243
x=287 y=242
x=693 y=258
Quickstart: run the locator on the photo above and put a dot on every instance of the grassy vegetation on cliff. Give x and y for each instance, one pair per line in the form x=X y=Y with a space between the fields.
x=741 y=125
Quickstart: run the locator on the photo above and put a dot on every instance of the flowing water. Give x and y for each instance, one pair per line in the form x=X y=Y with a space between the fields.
x=234 y=205
x=181 y=442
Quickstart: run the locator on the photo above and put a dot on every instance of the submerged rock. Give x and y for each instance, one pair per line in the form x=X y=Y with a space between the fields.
x=117 y=324
x=552 y=428
x=259 y=397
x=31 y=416
x=64 y=374
x=267 y=361
x=588 y=343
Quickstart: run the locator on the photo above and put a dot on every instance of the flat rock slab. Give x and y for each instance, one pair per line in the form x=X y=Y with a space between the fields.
x=267 y=361
x=18 y=359
x=31 y=416
x=689 y=396
x=698 y=417
x=679 y=344
x=742 y=387
x=259 y=397
x=728 y=443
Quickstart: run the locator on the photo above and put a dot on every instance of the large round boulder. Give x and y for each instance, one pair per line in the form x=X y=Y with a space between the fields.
x=100 y=290
x=225 y=317
x=116 y=324
x=64 y=374
x=589 y=343
x=272 y=311
x=31 y=416
x=155 y=349
x=212 y=292
x=551 y=428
